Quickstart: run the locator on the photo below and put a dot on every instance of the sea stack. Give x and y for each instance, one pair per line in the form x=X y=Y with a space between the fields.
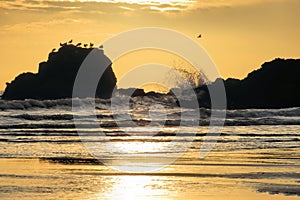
x=56 y=76
x=274 y=85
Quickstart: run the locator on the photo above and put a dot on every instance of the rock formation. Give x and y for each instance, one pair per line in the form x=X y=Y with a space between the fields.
x=55 y=77
x=275 y=85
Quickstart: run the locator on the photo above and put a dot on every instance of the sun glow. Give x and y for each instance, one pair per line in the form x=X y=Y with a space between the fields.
x=143 y=2
x=158 y=5
x=134 y=187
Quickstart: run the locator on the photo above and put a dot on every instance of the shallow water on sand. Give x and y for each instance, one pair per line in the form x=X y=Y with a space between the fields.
x=42 y=157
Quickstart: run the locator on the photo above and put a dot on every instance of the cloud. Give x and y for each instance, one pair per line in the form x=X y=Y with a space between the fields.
x=39 y=25
x=123 y=6
x=231 y=3
x=32 y=5
x=94 y=5
x=127 y=8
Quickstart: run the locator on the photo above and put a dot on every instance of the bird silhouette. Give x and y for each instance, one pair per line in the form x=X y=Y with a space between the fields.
x=63 y=44
x=85 y=45
x=91 y=45
x=53 y=50
x=199 y=36
x=70 y=42
x=78 y=44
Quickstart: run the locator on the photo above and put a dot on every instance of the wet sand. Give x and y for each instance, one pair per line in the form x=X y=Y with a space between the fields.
x=53 y=179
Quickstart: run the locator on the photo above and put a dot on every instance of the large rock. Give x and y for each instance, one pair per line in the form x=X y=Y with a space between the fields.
x=275 y=85
x=55 y=77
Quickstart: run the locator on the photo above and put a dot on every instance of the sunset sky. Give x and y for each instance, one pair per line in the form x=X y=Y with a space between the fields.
x=239 y=35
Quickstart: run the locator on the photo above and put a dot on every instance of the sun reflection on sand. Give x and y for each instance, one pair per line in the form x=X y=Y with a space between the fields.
x=134 y=187
x=138 y=157
x=128 y=148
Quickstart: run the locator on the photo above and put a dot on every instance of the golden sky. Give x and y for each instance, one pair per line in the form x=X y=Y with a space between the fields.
x=238 y=35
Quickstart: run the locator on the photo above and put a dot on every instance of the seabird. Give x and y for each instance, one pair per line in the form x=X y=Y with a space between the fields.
x=199 y=36
x=77 y=45
x=85 y=45
x=70 y=41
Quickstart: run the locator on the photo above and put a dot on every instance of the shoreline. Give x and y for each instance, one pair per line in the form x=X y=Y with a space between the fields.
x=34 y=179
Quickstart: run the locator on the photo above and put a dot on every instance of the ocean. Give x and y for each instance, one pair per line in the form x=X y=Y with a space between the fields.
x=42 y=156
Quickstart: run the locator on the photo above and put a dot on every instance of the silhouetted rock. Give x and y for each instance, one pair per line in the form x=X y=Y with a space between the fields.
x=55 y=78
x=154 y=94
x=275 y=85
x=133 y=92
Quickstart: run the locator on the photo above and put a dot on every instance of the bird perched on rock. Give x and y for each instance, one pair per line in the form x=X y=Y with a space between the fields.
x=199 y=36
x=53 y=50
x=70 y=42
x=78 y=44
x=63 y=44
x=85 y=45
x=91 y=45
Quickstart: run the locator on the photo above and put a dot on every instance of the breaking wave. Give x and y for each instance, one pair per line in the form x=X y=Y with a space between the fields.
x=57 y=114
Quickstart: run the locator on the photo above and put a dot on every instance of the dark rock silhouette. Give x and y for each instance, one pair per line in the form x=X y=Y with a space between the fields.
x=55 y=77
x=137 y=92
x=275 y=85
x=133 y=92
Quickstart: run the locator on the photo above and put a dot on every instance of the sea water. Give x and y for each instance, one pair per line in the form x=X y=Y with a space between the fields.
x=42 y=155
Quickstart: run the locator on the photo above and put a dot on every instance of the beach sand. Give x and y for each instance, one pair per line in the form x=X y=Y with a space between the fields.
x=45 y=179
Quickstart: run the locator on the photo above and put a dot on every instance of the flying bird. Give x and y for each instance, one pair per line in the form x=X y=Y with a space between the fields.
x=199 y=36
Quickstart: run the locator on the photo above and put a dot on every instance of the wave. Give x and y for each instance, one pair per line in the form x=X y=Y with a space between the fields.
x=57 y=117
x=138 y=133
x=258 y=113
x=72 y=160
x=285 y=189
x=34 y=126
x=103 y=103
x=123 y=137
x=68 y=103
x=144 y=123
x=107 y=120
x=32 y=103
x=144 y=102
